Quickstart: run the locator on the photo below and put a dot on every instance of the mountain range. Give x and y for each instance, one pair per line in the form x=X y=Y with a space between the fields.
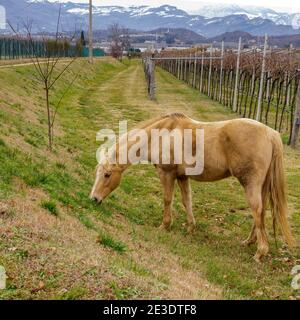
x=207 y=22
x=222 y=10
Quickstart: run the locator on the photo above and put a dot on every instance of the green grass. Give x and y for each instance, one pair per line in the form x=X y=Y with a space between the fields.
x=50 y=206
x=73 y=294
x=127 y=221
x=108 y=241
x=124 y=293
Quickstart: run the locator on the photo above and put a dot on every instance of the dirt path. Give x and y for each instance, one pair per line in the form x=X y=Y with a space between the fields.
x=129 y=86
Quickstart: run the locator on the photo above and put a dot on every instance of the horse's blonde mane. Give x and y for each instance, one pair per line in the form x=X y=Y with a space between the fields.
x=147 y=123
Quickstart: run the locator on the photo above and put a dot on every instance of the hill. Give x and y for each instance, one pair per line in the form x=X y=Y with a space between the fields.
x=279 y=41
x=183 y=35
x=232 y=37
x=285 y=41
x=56 y=243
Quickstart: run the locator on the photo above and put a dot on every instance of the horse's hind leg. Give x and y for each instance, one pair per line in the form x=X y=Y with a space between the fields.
x=186 y=194
x=254 y=197
x=252 y=236
x=167 y=179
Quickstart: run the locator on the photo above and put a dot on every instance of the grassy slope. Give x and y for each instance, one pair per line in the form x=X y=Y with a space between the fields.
x=56 y=244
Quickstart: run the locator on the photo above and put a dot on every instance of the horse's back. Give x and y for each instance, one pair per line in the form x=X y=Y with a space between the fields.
x=248 y=148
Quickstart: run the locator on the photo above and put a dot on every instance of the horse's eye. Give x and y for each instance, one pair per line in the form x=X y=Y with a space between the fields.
x=107 y=174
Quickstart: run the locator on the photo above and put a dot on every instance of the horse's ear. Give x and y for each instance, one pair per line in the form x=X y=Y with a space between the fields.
x=104 y=160
x=102 y=157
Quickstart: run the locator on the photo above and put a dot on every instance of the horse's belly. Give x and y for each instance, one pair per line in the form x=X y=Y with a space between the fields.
x=215 y=164
x=211 y=172
x=208 y=176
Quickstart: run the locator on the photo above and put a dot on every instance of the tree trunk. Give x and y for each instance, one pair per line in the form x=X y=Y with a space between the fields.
x=48 y=117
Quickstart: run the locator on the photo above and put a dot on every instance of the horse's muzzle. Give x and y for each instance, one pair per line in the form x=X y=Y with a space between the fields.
x=95 y=199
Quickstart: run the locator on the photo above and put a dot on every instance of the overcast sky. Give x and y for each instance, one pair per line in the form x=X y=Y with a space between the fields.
x=193 y=5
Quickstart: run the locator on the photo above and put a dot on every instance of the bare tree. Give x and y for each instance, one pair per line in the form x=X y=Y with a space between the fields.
x=119 y=39
x=48 y=69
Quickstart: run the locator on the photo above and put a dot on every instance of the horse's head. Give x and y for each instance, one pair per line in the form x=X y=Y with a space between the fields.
x=108 y=178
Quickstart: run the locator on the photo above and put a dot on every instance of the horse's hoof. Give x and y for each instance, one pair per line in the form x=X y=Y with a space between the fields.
x=191 y=228
x=261 y=252
x=164 y=227
x=247 y=242
x=257 y=258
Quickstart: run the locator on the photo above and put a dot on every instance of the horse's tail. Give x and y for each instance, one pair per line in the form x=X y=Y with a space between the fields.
x=274 y=190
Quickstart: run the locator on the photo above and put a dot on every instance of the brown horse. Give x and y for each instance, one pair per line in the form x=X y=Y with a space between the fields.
x=243 y=148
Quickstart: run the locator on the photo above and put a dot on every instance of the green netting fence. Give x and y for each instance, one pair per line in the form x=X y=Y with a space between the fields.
x=12 y=48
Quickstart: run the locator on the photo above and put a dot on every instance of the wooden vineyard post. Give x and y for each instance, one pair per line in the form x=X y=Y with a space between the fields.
x=189 y=72
x=296 y=125
x=149 y=68
x=152 y=85
x=185 y=67
x=268 y=85
x=287 y=90
x=210 y=69
x=253 y=82
x=181 y=69
x=221 y=72
x=288 y=76
x=146 y=70
x=201 y=73
x=195 y=71
x=261 y=86
x=237 y=75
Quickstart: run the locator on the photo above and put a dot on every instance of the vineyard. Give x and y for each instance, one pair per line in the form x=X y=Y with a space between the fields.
x=257 y=84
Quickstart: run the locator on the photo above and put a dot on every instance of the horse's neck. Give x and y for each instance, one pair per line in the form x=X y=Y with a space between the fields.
x=129 y=144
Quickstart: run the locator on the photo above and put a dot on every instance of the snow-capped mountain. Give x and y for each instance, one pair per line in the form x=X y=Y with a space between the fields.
x=75 y=15
x=222 y=10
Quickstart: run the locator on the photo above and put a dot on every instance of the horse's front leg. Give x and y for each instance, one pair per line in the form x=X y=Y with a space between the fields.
x=168 y=180
x=186 y=194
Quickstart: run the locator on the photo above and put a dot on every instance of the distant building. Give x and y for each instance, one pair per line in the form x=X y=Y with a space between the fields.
x=149 y=46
